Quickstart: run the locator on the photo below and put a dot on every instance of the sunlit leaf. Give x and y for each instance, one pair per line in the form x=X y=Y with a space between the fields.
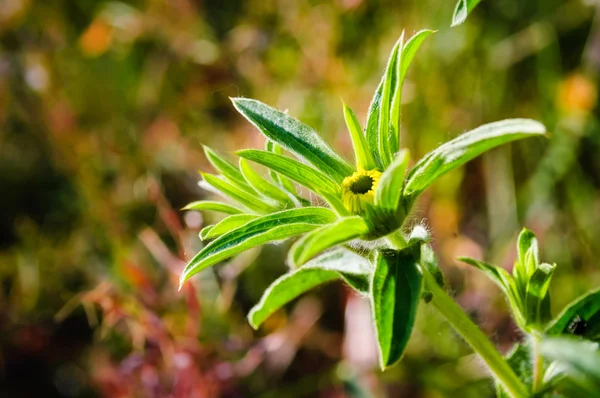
x=386 y=135
x=227 y=169
x=330 y=266
x=252 y=202
x=537 y=304
x=294 y=136
x=362 y=153
x=280 y=179
x=395 y=294
x=581 y=318
x=389 y=189
x=408 y=51
x=225 y=225
x=462 y=10
x=269 y=228
x=214 y=206
x=312 y=179
x=263 y=186
x=325 y=237
x=464 y=148
x=503 y=279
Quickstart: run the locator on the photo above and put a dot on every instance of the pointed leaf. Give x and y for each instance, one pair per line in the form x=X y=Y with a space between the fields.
x=385 y=132
x=225 y=225
x=262 y=186
x=325 y=237
x=294 y=136
x=373 y=117
x=362 y=153
x=214 y=206
x=462 y=10
x=464 y=148
x=227 y=169
x=205 y=232
x=395 y=295
x=301 y=173
x=537 y=304
x=389 y=189
x=252 y=202
x=503 y=279
x=581 y=318
x=330 y=266
x=269 y=228
x=282 y=180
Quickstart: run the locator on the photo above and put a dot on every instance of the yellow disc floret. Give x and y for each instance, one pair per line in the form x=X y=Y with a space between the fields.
x=358 y=190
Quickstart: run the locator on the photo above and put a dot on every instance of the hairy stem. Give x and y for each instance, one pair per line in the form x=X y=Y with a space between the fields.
x=475 y=338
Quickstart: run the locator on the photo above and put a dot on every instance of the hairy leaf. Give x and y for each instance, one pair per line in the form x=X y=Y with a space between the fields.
x=581 y=318
x=325 y=237
x=464 y=148
x=389 y=189
x=537 y=304
x=225 y=225
x=301 y=173
x=262 y=186
x=269 y=228
x=246 y=199
x=330 y=266
x=294 y=136
x=214 y=206
x=395 y=294
x=462 y=10
x=362 y=153
x=227 y=169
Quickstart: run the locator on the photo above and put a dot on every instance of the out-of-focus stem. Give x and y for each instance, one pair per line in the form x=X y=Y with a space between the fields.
x=475 y=338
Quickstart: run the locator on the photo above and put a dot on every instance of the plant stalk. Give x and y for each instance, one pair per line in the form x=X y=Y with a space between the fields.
x=538 y=364
x=475 y=338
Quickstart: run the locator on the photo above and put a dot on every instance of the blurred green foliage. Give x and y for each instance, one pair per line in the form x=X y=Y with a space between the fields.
x=104 y=107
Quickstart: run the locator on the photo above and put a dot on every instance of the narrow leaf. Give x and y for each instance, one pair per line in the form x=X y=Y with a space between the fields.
x=537 y=304
x=205 y=231
x=312 y=179
x=287 y=288
x=503 y=279
x=252 y=202
x=362 y=153
x=282 y=180
x=225 y=225
x=325 y=237
x=214 y=206
x=262 y=186
x=464 y=148
x=581 y=318
x=385 y=125
x=294 y=136
x=395 y=294
x=227 y=169
x=462 y=10
x=330 y=266
x=269 y=228
x=389 y=189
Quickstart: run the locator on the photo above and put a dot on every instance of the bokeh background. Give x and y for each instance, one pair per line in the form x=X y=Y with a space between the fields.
x=105 y=106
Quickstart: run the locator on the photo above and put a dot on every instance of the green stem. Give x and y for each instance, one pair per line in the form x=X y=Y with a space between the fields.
x=475 y=338
x=396 y=240
x=538 y=364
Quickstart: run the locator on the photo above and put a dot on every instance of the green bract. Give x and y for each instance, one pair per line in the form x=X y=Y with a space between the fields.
x=368 y=201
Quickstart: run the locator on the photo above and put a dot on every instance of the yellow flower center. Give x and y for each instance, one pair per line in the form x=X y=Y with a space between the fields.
x=358 y=190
